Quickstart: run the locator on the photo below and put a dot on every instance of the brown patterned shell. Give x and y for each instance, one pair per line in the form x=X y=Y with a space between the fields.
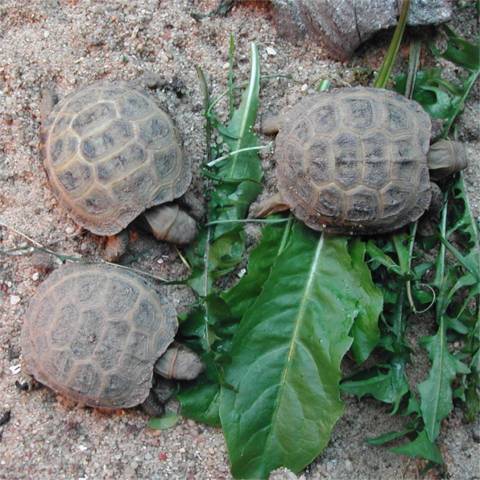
x=93 y=333
x=354 y=161
x=110 y=153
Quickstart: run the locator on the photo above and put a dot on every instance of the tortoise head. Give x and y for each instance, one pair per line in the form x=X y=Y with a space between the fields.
x=446 y=158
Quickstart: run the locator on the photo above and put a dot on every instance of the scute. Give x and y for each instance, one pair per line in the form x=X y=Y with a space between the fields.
x=358 y=113
x=76 y=178
x=110 y=153
x=80 y=347
x=93 y=117
x=353 y=160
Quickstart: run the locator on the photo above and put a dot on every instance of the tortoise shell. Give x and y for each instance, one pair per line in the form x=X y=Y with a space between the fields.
x=93 y=333
x=353 y=161
x=110 y=153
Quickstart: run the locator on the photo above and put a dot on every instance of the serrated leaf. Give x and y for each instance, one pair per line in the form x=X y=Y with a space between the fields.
x=388 y=387
x=421 y=447
x=169 y=420
x=286 y=356
x=460 y=51
x=436 y=391
x=220 y=248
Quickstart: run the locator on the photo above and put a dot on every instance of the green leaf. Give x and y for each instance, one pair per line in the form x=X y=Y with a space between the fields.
x=201 y=403
x=169 y=420
x=365 y=330
x=220 y=248
x=286 y=356
x=388 y=437
x=421 y=447
x=241 y=296
x=460 y=51
x=436 y=391
x=377 y=255
x=389 y=387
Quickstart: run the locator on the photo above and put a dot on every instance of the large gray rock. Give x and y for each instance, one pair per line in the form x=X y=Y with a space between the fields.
x=344 y=24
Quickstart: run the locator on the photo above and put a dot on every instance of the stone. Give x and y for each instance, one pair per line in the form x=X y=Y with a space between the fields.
x=344 y=24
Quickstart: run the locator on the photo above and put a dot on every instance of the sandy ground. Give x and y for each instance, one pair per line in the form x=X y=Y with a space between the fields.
x=65 y=44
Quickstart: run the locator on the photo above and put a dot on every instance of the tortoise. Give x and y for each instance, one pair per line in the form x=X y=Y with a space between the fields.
x=95 y=333
x=356 y=161
x=110 y=154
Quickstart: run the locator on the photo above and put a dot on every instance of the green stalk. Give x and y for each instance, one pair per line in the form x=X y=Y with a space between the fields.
x=386 y=69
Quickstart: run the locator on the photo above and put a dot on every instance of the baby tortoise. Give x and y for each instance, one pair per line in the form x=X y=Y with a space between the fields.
x=95 y=334
x=110 y=154
x=356 y=161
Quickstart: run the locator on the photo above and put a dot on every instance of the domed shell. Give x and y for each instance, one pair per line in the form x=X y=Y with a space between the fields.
x=93 y=333
x=110 y=153
x=353 y=161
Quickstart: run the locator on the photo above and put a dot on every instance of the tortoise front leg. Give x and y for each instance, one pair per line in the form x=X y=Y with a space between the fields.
x=115 y=246
x=272 y=204
x=170 y=223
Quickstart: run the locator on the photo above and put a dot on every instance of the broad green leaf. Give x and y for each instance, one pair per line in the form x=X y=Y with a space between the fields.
x=286 y=355
x=421 y=447
x=389 y=387
x=436 y=391
x=241 y=296
x=201 y=403
x=365 y=330
x=169 y=420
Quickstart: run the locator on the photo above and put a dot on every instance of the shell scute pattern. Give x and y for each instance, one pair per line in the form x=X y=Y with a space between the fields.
x=97 y=346
x=121 y=165
x=362 y=152
x=111 y=153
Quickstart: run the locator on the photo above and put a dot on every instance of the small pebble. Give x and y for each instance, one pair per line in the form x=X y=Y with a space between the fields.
x=271 y=51
x=304 y=87
x=15 y=369
x=5 y=417
x=476 y=435
x=35 y=276
x=14 y=300
x=69 y=230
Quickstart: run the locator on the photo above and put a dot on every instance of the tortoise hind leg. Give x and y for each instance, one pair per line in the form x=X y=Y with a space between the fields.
x=170 y=223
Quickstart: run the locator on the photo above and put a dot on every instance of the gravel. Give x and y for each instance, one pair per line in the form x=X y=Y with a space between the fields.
x=64 y=44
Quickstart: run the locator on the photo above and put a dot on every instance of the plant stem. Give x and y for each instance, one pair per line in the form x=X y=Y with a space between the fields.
x=206 y=104
x=461 y=103
x=386 y=68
